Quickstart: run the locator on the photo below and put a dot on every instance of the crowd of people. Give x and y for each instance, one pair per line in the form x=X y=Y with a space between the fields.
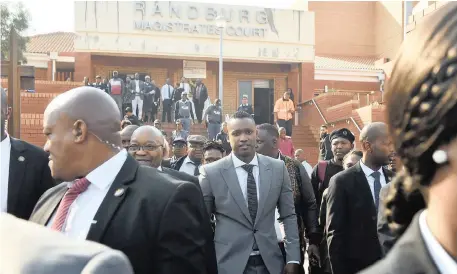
x=101 y=200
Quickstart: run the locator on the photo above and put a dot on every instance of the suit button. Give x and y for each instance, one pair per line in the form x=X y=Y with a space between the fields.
x=255 y=230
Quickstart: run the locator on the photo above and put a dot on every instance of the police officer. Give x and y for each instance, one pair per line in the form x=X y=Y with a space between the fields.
x=213 y=119
x=184 y=111
x=245 y=106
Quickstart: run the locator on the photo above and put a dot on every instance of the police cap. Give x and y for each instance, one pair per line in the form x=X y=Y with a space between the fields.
x=342 y=133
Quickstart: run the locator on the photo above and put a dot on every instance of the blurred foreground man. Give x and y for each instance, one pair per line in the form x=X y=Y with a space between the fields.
x=25 y=174
x=108 y=198
x=33 y=249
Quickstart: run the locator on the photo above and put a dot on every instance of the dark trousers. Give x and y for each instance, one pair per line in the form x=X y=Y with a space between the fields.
x=199 y=109
x=166 y=110
x=287 y=124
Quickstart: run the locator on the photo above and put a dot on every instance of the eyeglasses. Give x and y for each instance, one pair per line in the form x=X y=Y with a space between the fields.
x=134 y=148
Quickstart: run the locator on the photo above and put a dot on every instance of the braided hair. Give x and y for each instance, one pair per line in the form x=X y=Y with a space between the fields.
x=422 y=110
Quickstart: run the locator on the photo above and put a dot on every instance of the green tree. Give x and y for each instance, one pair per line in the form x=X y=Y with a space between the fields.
x=16 y=17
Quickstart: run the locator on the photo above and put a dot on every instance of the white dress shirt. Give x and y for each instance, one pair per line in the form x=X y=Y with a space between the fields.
x=188 y=166
x=308 y=168
x=5 y=151
x=368 y=171
x=242 y=175
x=164 y=92
x=137 y=86
x=185 y=86
x=82 y=211
x=446 y=264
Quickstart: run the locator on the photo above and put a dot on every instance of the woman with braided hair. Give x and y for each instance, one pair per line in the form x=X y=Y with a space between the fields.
x=422 y=115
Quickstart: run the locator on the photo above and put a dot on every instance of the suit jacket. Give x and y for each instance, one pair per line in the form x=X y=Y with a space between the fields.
x=29 y=177
x=408 y=256
x=210 y=252
x=156 y=222
x=203 y=94
x=325 y=149
x=386 y=237
x=305 y=202
x=351 y=222
x=33 y=249
x=132 y=88
x=235 y=231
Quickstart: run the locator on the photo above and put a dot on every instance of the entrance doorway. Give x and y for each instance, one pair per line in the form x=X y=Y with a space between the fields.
x=261 y=96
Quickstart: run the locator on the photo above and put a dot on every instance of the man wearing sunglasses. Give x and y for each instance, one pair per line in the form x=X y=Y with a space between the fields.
x=191 y=162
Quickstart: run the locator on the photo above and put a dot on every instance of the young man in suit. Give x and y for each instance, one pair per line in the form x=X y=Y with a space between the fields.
x=353 y=201
x=201 y=94
x=111 y=198
x=33 y=249
x=243 y=191
x=191 y=162
x=25 y=173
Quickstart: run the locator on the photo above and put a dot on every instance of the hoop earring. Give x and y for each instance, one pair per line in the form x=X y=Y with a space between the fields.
x=440 y=157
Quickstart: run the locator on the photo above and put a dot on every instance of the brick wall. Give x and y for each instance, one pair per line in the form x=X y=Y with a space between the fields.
x=49 y=86
x=346 y=85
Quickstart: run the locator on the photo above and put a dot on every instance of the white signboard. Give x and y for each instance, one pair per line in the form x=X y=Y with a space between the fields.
x=194 y=69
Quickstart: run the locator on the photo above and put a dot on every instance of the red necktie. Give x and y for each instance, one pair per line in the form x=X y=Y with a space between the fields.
x=78 y=187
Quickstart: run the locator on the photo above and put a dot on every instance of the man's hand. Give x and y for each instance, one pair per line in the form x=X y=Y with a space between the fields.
x=314 y=255
x=292 y=268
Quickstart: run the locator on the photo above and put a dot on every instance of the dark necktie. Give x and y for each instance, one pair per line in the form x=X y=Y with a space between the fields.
x=377 y=187
x=196 y=170
x=252 y=197
x=251 y=192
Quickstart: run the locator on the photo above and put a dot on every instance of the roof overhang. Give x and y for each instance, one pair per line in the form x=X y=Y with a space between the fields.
x=40 y=60
x=370 y=76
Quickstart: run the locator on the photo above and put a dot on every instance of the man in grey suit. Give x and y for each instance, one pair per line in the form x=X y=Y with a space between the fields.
x=136 y=87
x=28 y=248
x=242 y=191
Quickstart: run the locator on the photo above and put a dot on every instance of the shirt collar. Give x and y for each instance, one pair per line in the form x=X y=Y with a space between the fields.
x=238 y=163
x=160 y=168
x=368 y=171
x=6 y=142
x=279 y=155
x=188 y=160
x=442 y=259
x=104 y=175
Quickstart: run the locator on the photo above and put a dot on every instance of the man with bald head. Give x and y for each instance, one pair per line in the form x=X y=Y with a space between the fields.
x=147 y=146
x=353 y=201
x=126 y=135
x=24 y=175
x=107 y=197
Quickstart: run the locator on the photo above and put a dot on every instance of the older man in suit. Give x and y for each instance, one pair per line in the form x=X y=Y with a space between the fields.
x=25 y=173
x=33 y=249
x=243 y=191
x=353 y=202
x=137 y=87
x=108 y=198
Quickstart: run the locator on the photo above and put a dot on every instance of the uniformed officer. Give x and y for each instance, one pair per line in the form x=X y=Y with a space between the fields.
x=245 y=106
x=184 y=111
x=213 y=119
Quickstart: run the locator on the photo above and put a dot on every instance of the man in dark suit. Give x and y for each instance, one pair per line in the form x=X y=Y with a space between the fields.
x=201 y=94
x=305 y=203
x=147 y=147
x=153 y=218
x=25 y=173
x=191 y=162
x=353 y=201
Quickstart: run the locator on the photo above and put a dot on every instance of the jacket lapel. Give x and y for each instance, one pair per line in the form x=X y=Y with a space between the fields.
x=17 y=169
x=113 y=199
x=364 y=188
x=231 y=179
x=43 y=214
x=265 y=176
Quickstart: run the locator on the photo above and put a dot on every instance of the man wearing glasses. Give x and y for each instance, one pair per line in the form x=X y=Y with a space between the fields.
x=191 y=162
x=147 y=146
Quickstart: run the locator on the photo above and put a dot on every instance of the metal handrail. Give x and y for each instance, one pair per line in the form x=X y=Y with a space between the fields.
x=345 y=119
x=319 y=110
